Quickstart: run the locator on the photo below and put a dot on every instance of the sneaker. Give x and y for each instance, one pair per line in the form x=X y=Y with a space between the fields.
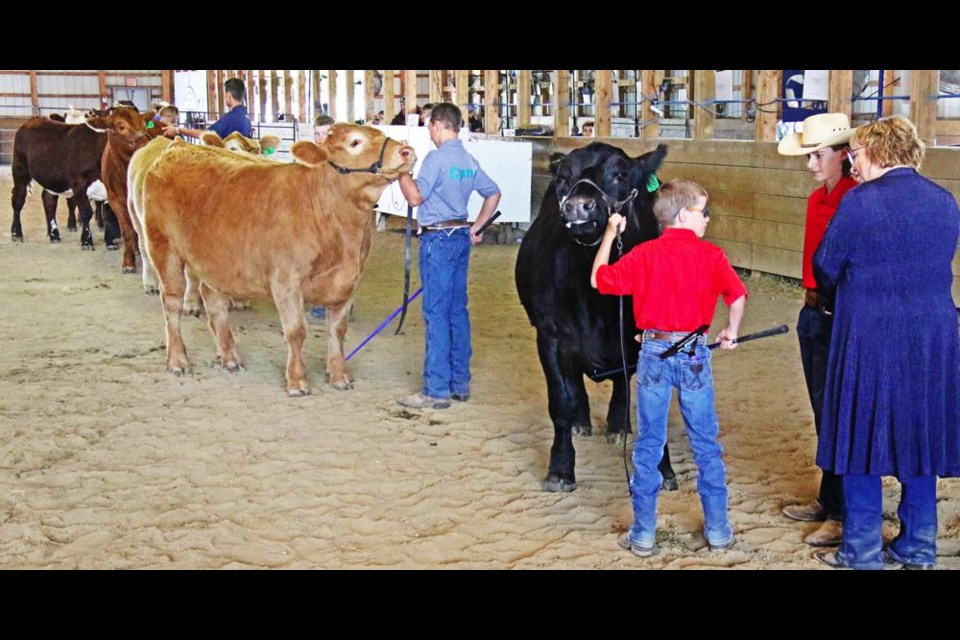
x=625 y=543
x=813 y=512
x=720 y=546
x=460 y=397
x=830 y=559
x=318 y=313
x=421 y=401
x=829 y=534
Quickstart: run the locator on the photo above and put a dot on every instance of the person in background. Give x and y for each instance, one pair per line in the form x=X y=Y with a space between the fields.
x=236 y=119
x=168 y=115
x=824 y=141
x=321 y=127
x=474 y=121
x=425 y=114
x=587 y=130
x=447 y=178
x=891 y=405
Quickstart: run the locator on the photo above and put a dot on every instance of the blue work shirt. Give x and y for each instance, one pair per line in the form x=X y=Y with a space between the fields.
x=447 y=178
x=234 y=120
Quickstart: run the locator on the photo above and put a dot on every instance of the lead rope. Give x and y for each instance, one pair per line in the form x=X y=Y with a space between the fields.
x=626 y=374
x=407 y=251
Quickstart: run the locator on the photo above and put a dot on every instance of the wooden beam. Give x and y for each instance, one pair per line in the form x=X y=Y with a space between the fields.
x=435 y=85
x=463 y=90
x=768 y=107
x=274 y=93
x=704 y=90
x=389 y=101
x=491 y=101
x=351 y=96
x=332 y=92
x=287 y=91
x=888 y=78
x=166 y=86
x=102 y=87
x=561 y=99
x=746 y=87
x=603 y=88
x=649 y=88
x=523 y=97
x=262 y=83
x=923 y=103
x=369 y=108
x=302 y=94
x=211 y=92
x=840 y=96
x=409 y=91
x=34 y=94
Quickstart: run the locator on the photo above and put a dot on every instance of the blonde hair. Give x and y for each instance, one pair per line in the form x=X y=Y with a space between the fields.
x=673 y=196
x=890 y=142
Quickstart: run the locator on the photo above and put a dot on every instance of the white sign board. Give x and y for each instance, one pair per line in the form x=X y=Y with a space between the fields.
x=509 y=164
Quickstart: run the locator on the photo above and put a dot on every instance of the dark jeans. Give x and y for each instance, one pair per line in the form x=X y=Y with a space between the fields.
x=862 y=544
x=813 y=330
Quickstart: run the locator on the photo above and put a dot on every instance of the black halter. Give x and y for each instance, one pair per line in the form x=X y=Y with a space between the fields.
x=374 y=168
x=613 y=206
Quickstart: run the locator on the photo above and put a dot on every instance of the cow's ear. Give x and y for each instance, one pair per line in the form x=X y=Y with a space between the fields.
x=100 y=120
x=556 y=159
x=650 y=162
x=308 y=153
x=270 y=144
x=211 y=139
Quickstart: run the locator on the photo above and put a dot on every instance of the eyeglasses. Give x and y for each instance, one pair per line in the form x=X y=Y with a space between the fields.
x=704 y=210
x=852 y=154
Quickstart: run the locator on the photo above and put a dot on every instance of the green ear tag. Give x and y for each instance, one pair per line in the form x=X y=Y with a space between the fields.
x=268 y=151
x=150 y=124
x=652 y=184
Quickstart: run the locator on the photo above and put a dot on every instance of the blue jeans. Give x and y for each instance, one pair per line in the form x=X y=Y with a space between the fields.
x=444 y=259
x=862 y=544
x=656 y=380
x=813 y=331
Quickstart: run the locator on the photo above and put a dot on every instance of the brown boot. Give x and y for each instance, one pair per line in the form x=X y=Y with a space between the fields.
x=828 y=535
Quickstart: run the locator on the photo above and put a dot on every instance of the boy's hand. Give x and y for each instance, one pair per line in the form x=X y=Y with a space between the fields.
x=726 y=338
x=616 y=224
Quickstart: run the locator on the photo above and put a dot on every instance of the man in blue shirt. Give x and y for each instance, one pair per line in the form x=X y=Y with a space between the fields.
x=236 y=119
x=442 y=189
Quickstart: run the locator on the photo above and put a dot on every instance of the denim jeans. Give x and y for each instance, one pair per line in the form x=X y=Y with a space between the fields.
x=656 y=379
x=813 y=331
x=862 y=544
x=444 y=259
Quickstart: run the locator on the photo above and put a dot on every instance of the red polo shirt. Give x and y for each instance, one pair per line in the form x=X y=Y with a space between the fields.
x=675 y=281
x=820 y=208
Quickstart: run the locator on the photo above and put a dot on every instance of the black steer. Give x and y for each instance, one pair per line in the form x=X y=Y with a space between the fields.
x=578 y=330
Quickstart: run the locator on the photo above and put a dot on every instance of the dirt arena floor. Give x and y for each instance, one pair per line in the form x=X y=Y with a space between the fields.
x=107 y=461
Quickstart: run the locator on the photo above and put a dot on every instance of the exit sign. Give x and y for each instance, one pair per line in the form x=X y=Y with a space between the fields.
x=131 y=82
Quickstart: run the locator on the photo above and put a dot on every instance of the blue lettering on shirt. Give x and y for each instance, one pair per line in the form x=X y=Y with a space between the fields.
x=462 y=174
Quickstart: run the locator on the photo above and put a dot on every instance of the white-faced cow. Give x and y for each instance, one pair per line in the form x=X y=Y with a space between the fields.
x=296 y=232
x=578 y=330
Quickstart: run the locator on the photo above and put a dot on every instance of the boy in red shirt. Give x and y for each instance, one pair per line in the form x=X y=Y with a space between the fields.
x=675 y=281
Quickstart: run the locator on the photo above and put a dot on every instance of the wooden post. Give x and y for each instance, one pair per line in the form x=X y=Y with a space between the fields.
x=463 y=90
x=523 y=97
x=102 y=87
x=603 y=88
x=491 y=101
x=704 y=90
x=840 y=96
x=34 y=94
x=561 y=98
x=351 y=96
x=262 y=84
x=435 y=85
x=409 y=91
x=888 y=91
x=302 y=93
x=389 y=106
x=768 y=107
x=274 y=93
x=746 y=87
x=166 y=86
x=332 y=91
x=649 y=88
x=316 y=88
x=287 y=91
x=923 y=103
x=369 y=108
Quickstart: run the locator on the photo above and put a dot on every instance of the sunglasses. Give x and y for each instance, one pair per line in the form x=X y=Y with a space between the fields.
x=704 y=210
x=852 y=155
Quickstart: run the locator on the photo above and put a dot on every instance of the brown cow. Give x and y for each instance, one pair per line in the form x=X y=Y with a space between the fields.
x=297 y=232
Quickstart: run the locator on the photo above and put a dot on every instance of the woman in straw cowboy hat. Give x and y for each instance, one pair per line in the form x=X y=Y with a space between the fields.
x=892 y=399
x=823 y=139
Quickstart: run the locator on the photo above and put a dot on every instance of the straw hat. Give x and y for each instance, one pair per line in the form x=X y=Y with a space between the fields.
x=819 y=131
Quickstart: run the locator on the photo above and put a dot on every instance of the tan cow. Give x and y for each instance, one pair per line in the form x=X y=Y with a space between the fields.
x=297 y=232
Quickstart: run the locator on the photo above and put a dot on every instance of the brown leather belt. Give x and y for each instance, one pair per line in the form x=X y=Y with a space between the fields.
x=669 y=336
x=446 y=224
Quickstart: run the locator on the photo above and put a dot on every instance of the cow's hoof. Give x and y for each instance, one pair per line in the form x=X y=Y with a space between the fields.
x=345 y=385
x=52 y=240
x=196 y=312
x=73 y=228
x=233 y=365
x=298 y=392
x=151 y=289
x=112 y=247
x=179 y=371
x=17 y=238
x=239 y=305
x=585 y=430
x=127 y=270
x=83 y=247
x=555 y=484
x=670 y=484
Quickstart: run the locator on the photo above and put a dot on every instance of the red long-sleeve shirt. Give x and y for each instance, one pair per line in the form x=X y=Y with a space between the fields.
x=820 y=209
x=675 y=281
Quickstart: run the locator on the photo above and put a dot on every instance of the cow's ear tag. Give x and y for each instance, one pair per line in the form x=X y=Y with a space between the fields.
x=652 y=183
x=268 y=151
x=150 y=124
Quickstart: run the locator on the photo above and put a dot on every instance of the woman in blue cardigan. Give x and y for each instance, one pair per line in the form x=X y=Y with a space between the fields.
x=892 y=398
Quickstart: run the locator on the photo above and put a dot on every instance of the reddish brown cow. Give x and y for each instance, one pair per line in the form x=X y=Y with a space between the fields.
x=297 y=232
x=60 y=157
